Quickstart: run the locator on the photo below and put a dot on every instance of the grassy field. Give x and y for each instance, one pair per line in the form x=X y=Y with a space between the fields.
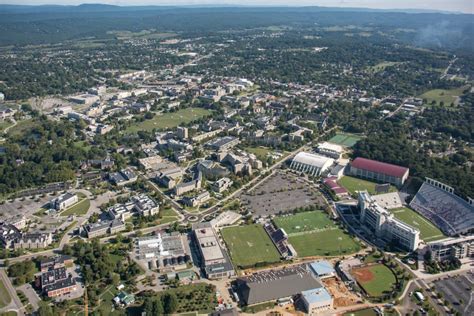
x=169 y=120
x=303 y=222
x=381 y=66
x=362 y=312
x=21 y=127
x=355 y=184
x=428 y=231
x=249 y=245
x=4 y=125
x=4 y=295
x=260 y=152
x=80 y=208
x=375 y=279
x=344 y=139
x=442 y=95
x=314 y=234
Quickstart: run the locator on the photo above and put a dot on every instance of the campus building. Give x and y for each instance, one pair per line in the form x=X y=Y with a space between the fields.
x=316 y=300
x=64 y=201
x=385 y=225
x=330 y=150
x=311 y=164
x=446 y=249
x=378 y=171
x=278 y=284
x=214 y=260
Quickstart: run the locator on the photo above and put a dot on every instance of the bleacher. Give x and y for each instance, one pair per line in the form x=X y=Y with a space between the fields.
x=450 y=213
x=279 y=238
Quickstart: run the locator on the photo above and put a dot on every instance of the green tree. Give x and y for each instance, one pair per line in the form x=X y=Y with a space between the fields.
x=170 y=303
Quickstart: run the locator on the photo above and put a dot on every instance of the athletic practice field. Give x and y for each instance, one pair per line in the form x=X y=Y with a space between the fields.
x=428 y=231
x=375 y=279
x=353 y=185
x=314 y=234
x=249 y=245
x=169 y=120
x=347 y=140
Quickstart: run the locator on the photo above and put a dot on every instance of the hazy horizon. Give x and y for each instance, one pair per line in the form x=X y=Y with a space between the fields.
x=464 y=6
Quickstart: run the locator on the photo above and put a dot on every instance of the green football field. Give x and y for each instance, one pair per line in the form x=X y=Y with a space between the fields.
x=314 y=234
x=428 y=231
x=375 y=279
x=353 y=185
x=249 y=245
x=347 y=140
x=301 y=222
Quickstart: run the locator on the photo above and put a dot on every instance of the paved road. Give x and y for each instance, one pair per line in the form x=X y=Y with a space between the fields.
x=15 y=304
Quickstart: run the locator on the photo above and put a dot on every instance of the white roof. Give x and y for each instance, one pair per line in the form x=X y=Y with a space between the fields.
x=317 y=161
x=330 y=146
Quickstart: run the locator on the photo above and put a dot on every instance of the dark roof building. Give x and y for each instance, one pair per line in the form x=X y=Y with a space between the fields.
x=378 y=171
x=275 y=284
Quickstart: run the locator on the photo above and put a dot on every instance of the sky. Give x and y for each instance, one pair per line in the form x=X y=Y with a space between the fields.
x=466 y=6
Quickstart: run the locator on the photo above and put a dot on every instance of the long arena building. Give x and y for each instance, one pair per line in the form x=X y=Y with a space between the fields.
x=437 y=202
x=378 y=171
x=311 y=164
x=385 y=225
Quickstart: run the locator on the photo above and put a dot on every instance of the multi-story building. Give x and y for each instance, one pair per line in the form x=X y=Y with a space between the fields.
x=221 y=185
x=56 y=282
x=215 y=261
x=446 y=249
x=385 y=225
x=64 y=201
x=104 y=227
x=33 y=241
x=316 y=300
x=330 y=150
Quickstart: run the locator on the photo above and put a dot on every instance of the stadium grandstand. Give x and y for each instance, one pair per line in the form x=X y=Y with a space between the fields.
x=280 y=239
x=437 y=202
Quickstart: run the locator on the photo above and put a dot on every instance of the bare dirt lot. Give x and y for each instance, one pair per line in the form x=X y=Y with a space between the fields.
x=342 y=296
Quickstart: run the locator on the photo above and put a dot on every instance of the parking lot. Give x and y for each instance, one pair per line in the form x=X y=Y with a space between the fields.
x=282 y=192
x=457 y=290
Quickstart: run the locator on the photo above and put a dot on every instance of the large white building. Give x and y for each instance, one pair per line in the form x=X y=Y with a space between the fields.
x=311 y=164
x=316 y=300
x=385 y=225
x=330 y=150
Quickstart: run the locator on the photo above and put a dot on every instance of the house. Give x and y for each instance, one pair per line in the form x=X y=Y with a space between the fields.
x=6 y=112
x=124 y=299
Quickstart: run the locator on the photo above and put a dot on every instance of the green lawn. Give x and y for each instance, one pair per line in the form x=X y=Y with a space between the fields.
x=355 y=184
x=382 y=280
x=21 y=127
x=301 y=222
x=442 y=95
x=428 y=231
x=260 y=152
x=169 y=120
x=362 y=312
x=314 y=234
x=249 y=245
x=345 y=139
x=5 y=298
x=381 y=66
x=80 y=208
x=5 y=124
